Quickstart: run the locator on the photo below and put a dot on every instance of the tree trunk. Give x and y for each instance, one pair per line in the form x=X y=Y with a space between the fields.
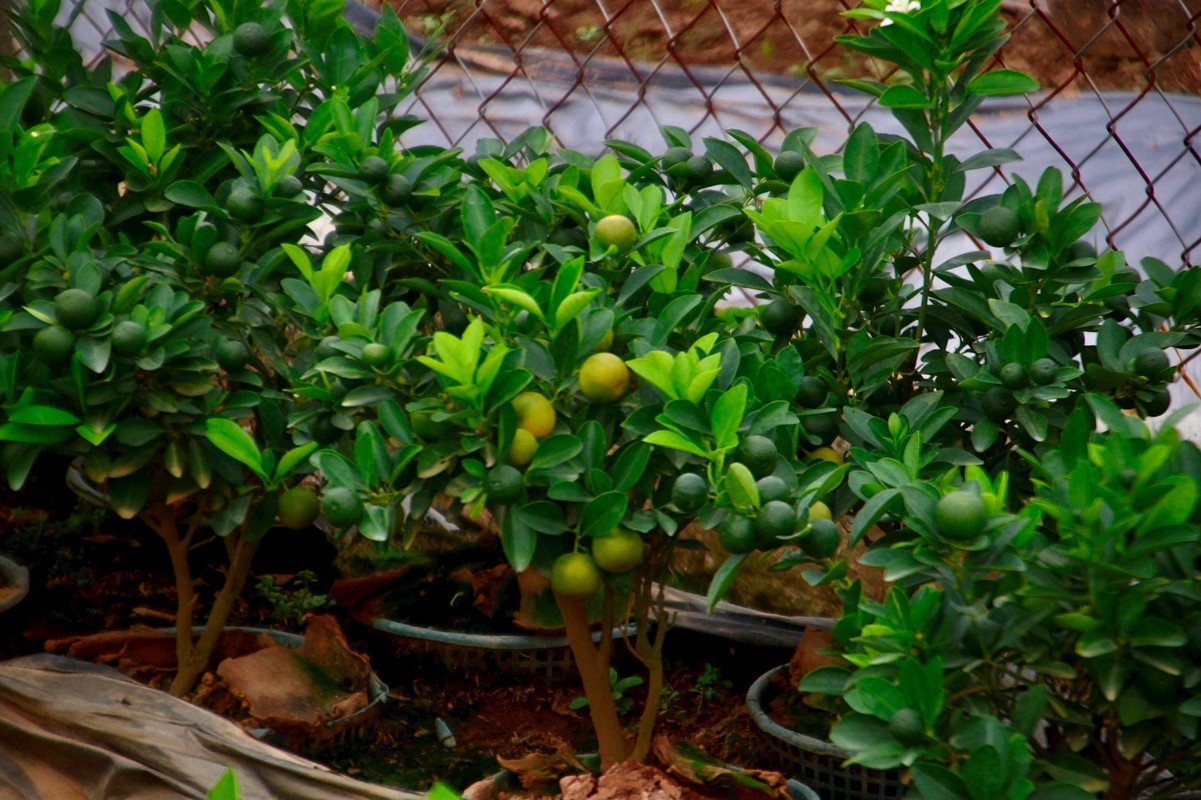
x=594 y=672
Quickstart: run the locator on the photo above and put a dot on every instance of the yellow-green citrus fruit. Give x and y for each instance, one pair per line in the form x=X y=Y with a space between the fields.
x=812 y=392
x=1044 y=371
x=374 y=170
x=289 y=186
x=998 y=402
x=960 y=516
x=788 y=165
x=822 y=426
x=617 y=231
x=342 y=506
x=1149 y=363
x=522 y=448
x=503 y=484
x=376 y=354
x=1079 y=251
x=998 y=226
x=231 y=355
x=425 y=428
x=1014 y=376
x=675 y=155
x=819 y=510
x=1157 y=404
x=605 y=343
x=826 y=454
x=780 y=318
x=575 y=575
x=906 y=727
x=689 y=492
x=54 y=345
x=617 y=552
x=759 y=454
x=244 y=205
x=772 y=488
x=822 y=540
x=604 y=378
x=698 y=170
x=775 y=519
x=327 y=347
x=222 y=260
x=737 y=535
x=298 y=507
x=251 y=39
x=76 y=309
x=720 y=259
x=397 y=190
x=129 y=337
x=534 y=414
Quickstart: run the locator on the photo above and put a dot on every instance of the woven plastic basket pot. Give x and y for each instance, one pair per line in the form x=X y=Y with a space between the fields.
x=814 y=762
x=547 y=656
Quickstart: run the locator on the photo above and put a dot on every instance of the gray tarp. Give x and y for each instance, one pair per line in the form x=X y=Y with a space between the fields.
x=73 y=730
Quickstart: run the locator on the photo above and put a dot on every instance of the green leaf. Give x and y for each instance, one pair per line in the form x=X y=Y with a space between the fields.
x=543 y=516
x=1078 y=772
x=727 y=416
x=871 y=512
x=740 y=486
x=825 y=680
x=518 y=542
x=192 y=195
x=630 y=466
x=154 y=135
x=128 y=495
x=226 y=787
x=676 y=441
x=938 y=783
x=230 y=438
x=722 y=579
x=293 y=459
x=43 y=415
x=603 y=513
x=1002 y=83
x=556 y=450
x=12 y=101
x=903 y=96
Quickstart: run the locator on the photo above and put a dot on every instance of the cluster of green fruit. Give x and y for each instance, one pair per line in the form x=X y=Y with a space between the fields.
x=76 y=311
x=766 y=517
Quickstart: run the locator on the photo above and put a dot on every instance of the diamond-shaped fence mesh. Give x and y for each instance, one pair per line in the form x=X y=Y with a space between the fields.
x=1118 y=113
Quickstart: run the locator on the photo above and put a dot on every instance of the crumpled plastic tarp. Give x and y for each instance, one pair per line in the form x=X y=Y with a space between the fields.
x=71 y=730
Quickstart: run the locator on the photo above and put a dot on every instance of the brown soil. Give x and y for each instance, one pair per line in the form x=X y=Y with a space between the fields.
x=1148 y=39
x=92 y=573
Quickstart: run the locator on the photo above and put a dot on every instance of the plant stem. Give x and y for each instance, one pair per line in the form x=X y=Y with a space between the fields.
x=191 y=668
x=594 y=673
x=161 y=519
x=651 y=654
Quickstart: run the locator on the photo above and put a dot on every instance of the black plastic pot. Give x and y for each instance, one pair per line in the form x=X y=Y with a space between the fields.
x=817 y=763
x=15 y=577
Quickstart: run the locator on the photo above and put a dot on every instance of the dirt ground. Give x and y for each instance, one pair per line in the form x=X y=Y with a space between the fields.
x=1068 y=44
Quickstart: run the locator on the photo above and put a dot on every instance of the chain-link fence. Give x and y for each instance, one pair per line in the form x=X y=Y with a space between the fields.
x=1118 y=113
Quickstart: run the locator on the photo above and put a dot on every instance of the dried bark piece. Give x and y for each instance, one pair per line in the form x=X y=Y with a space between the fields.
x=296 y=692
